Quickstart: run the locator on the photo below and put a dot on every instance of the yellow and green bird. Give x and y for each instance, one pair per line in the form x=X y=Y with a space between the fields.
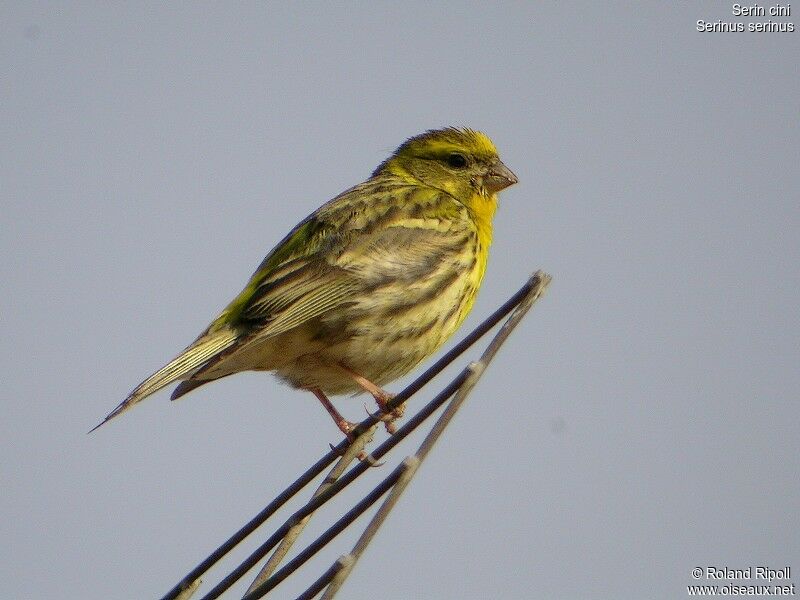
x=364 y=288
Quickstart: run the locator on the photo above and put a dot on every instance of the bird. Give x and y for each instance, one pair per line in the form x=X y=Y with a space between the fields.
x=364 y=288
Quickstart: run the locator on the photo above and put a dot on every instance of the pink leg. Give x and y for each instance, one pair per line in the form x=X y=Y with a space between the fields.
x=382 y=397
x=345 y=426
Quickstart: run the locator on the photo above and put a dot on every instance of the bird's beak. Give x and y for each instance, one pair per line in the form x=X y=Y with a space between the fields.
x=499 y=177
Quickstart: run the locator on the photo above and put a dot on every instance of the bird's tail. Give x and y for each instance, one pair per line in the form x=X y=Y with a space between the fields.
x=187 y=362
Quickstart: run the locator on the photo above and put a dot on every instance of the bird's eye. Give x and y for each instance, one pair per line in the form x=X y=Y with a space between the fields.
x=457 y=160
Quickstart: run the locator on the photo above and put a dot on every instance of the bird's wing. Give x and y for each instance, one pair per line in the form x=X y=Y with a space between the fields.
x=335 y=256
x=295 y=283
x=342 y=249
x=293 y=295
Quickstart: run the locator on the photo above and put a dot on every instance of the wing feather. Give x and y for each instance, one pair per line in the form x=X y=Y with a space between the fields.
x=341 y=252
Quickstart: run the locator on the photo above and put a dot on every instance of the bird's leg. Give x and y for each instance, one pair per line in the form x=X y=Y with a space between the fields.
x=345 y=426
x=382 y=398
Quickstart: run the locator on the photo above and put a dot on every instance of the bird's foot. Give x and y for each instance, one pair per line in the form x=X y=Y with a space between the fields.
x=386 y=413
x=347 y=428
x=382 y=398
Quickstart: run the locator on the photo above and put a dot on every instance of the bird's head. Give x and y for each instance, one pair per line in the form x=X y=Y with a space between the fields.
x=462 y=162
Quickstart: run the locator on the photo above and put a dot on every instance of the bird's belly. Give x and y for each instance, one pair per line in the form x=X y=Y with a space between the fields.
x=381 y=337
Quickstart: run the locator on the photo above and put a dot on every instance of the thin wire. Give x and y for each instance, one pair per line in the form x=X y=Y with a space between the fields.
x=402 y=475
x=294 y=532
x=343 y=482
x=315 y=546
x=318 y=467
x=412 y=463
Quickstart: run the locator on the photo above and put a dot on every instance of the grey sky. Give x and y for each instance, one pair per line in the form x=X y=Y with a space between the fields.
x=641 y=422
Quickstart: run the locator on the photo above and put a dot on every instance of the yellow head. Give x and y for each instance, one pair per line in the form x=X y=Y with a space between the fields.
x=462 y=162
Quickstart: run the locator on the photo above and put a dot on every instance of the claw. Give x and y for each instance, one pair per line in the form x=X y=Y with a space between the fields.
x=387 y=416
x=382 y=399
